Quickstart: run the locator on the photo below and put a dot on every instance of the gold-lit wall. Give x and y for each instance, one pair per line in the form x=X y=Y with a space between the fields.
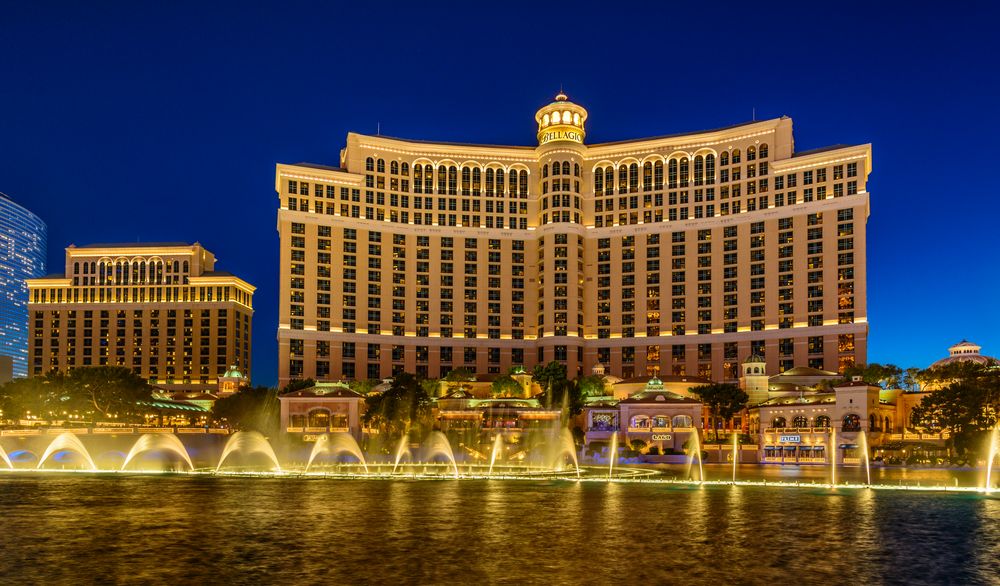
x=673 y=255
x=159 y=309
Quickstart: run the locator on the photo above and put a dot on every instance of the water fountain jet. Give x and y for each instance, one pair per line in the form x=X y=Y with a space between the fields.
x=5 y=458
x=403 y=449
x=991 y=455
x=736 y=447
x=248 y=442
x=67 y=441
x=613 y=455
x=694 y=444
x=497 y=448
x=438 y=445
x=863 y=445
x=165 y=442
x=337 y=443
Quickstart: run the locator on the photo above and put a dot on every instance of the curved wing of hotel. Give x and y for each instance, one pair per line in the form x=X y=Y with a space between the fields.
x=681 y=255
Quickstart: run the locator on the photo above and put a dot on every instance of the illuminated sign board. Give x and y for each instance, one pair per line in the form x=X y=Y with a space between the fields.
x=661 y=437
x=789 y=439
x=554 y=135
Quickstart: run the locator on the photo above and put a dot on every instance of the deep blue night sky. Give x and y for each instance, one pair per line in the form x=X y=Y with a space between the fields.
x=131 y=121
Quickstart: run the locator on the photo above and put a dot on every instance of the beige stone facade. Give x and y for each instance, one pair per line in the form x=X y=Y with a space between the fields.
x=677 y=255
x=161 y=309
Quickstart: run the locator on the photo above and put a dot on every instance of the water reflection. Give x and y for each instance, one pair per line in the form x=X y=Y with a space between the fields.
x=156 y=529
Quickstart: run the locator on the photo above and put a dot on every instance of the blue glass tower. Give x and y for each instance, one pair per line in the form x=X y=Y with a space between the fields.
x=23 y=239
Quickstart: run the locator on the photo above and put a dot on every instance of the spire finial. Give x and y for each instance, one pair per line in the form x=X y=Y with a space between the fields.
x=561 y=96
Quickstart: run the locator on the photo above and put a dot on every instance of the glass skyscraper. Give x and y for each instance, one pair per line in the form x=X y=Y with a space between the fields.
x=23 y=239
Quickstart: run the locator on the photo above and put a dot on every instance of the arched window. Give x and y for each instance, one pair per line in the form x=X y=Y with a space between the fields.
x=710 y=169
x=852 y=422
x=735 y=156
x=800 y=421
x=576 y=169
x=186 y=266
x=633 y=177
x=297 y=420
x=545 y=171
x=623 y=179
x=76 y=268
x=452 y=180
x=442 y=179
x=751 y=153
x=672 y=174
x=661 y=421
x=404 y=169
x=524 y=183
x=639 y=421
x=872 y=422
x=380 y=167
x=647 y=176
x=723 y=159
x=658 y=175
x=466 y=180
x=778 y=423
x=822 y=421
x=565 y=168
x=699 y=170
x=394 y=168
x=609 y=181
x=500 y=188
x=887 y=426
x=369 y=164
x=512 y=181
x=319 y=418
x=428 y=178
x=682 y=421
x=684 y=171
x=599 y=181
x=545 y=120
x=762 y=151
x=555 y=168
x=477 y=181
x=489 y=182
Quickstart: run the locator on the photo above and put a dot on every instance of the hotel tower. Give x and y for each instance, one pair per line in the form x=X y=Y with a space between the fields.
x=678 y=254
x=160 y=309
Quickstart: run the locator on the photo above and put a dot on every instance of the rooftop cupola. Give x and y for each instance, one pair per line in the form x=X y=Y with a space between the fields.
x=561 y=121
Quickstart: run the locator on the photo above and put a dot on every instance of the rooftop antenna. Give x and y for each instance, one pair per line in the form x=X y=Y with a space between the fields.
x=378 y=128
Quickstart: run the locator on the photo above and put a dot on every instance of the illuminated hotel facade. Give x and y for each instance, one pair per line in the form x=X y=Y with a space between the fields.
x=160 y=309
x=682 y=254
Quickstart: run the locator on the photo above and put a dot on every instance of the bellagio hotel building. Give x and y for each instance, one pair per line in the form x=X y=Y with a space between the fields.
x=680 y=254
x=160 y=309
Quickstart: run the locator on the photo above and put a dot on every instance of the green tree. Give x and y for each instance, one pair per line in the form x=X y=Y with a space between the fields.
x=591 y=385
x=404 y=407
x=723 y=401
x=967 y=406
x=505 y=386
x=34 y=396
x=549 y=375
x=111 y=391
x=253 y=409
x=363 y=386
x=887 y=376
x=460 y=375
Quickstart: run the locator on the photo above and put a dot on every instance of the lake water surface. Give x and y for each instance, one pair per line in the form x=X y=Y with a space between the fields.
x=177 y=529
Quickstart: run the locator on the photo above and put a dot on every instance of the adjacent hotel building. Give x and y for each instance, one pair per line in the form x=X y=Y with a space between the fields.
x=161 y=309
x=680 y=255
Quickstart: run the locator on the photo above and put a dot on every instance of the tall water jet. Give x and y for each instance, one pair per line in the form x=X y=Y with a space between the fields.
x=337 y=443
x=5 y=458
x=694 y=444
x=248 y=442
x=166 y=442
x=991 y=455
x=438 y=445
x=736 y=454
x=497 y=448
x=613 y=456
x=833 y=456
x=67 y=441
x=403 y=449
x=565 y=446
x=863 y=445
